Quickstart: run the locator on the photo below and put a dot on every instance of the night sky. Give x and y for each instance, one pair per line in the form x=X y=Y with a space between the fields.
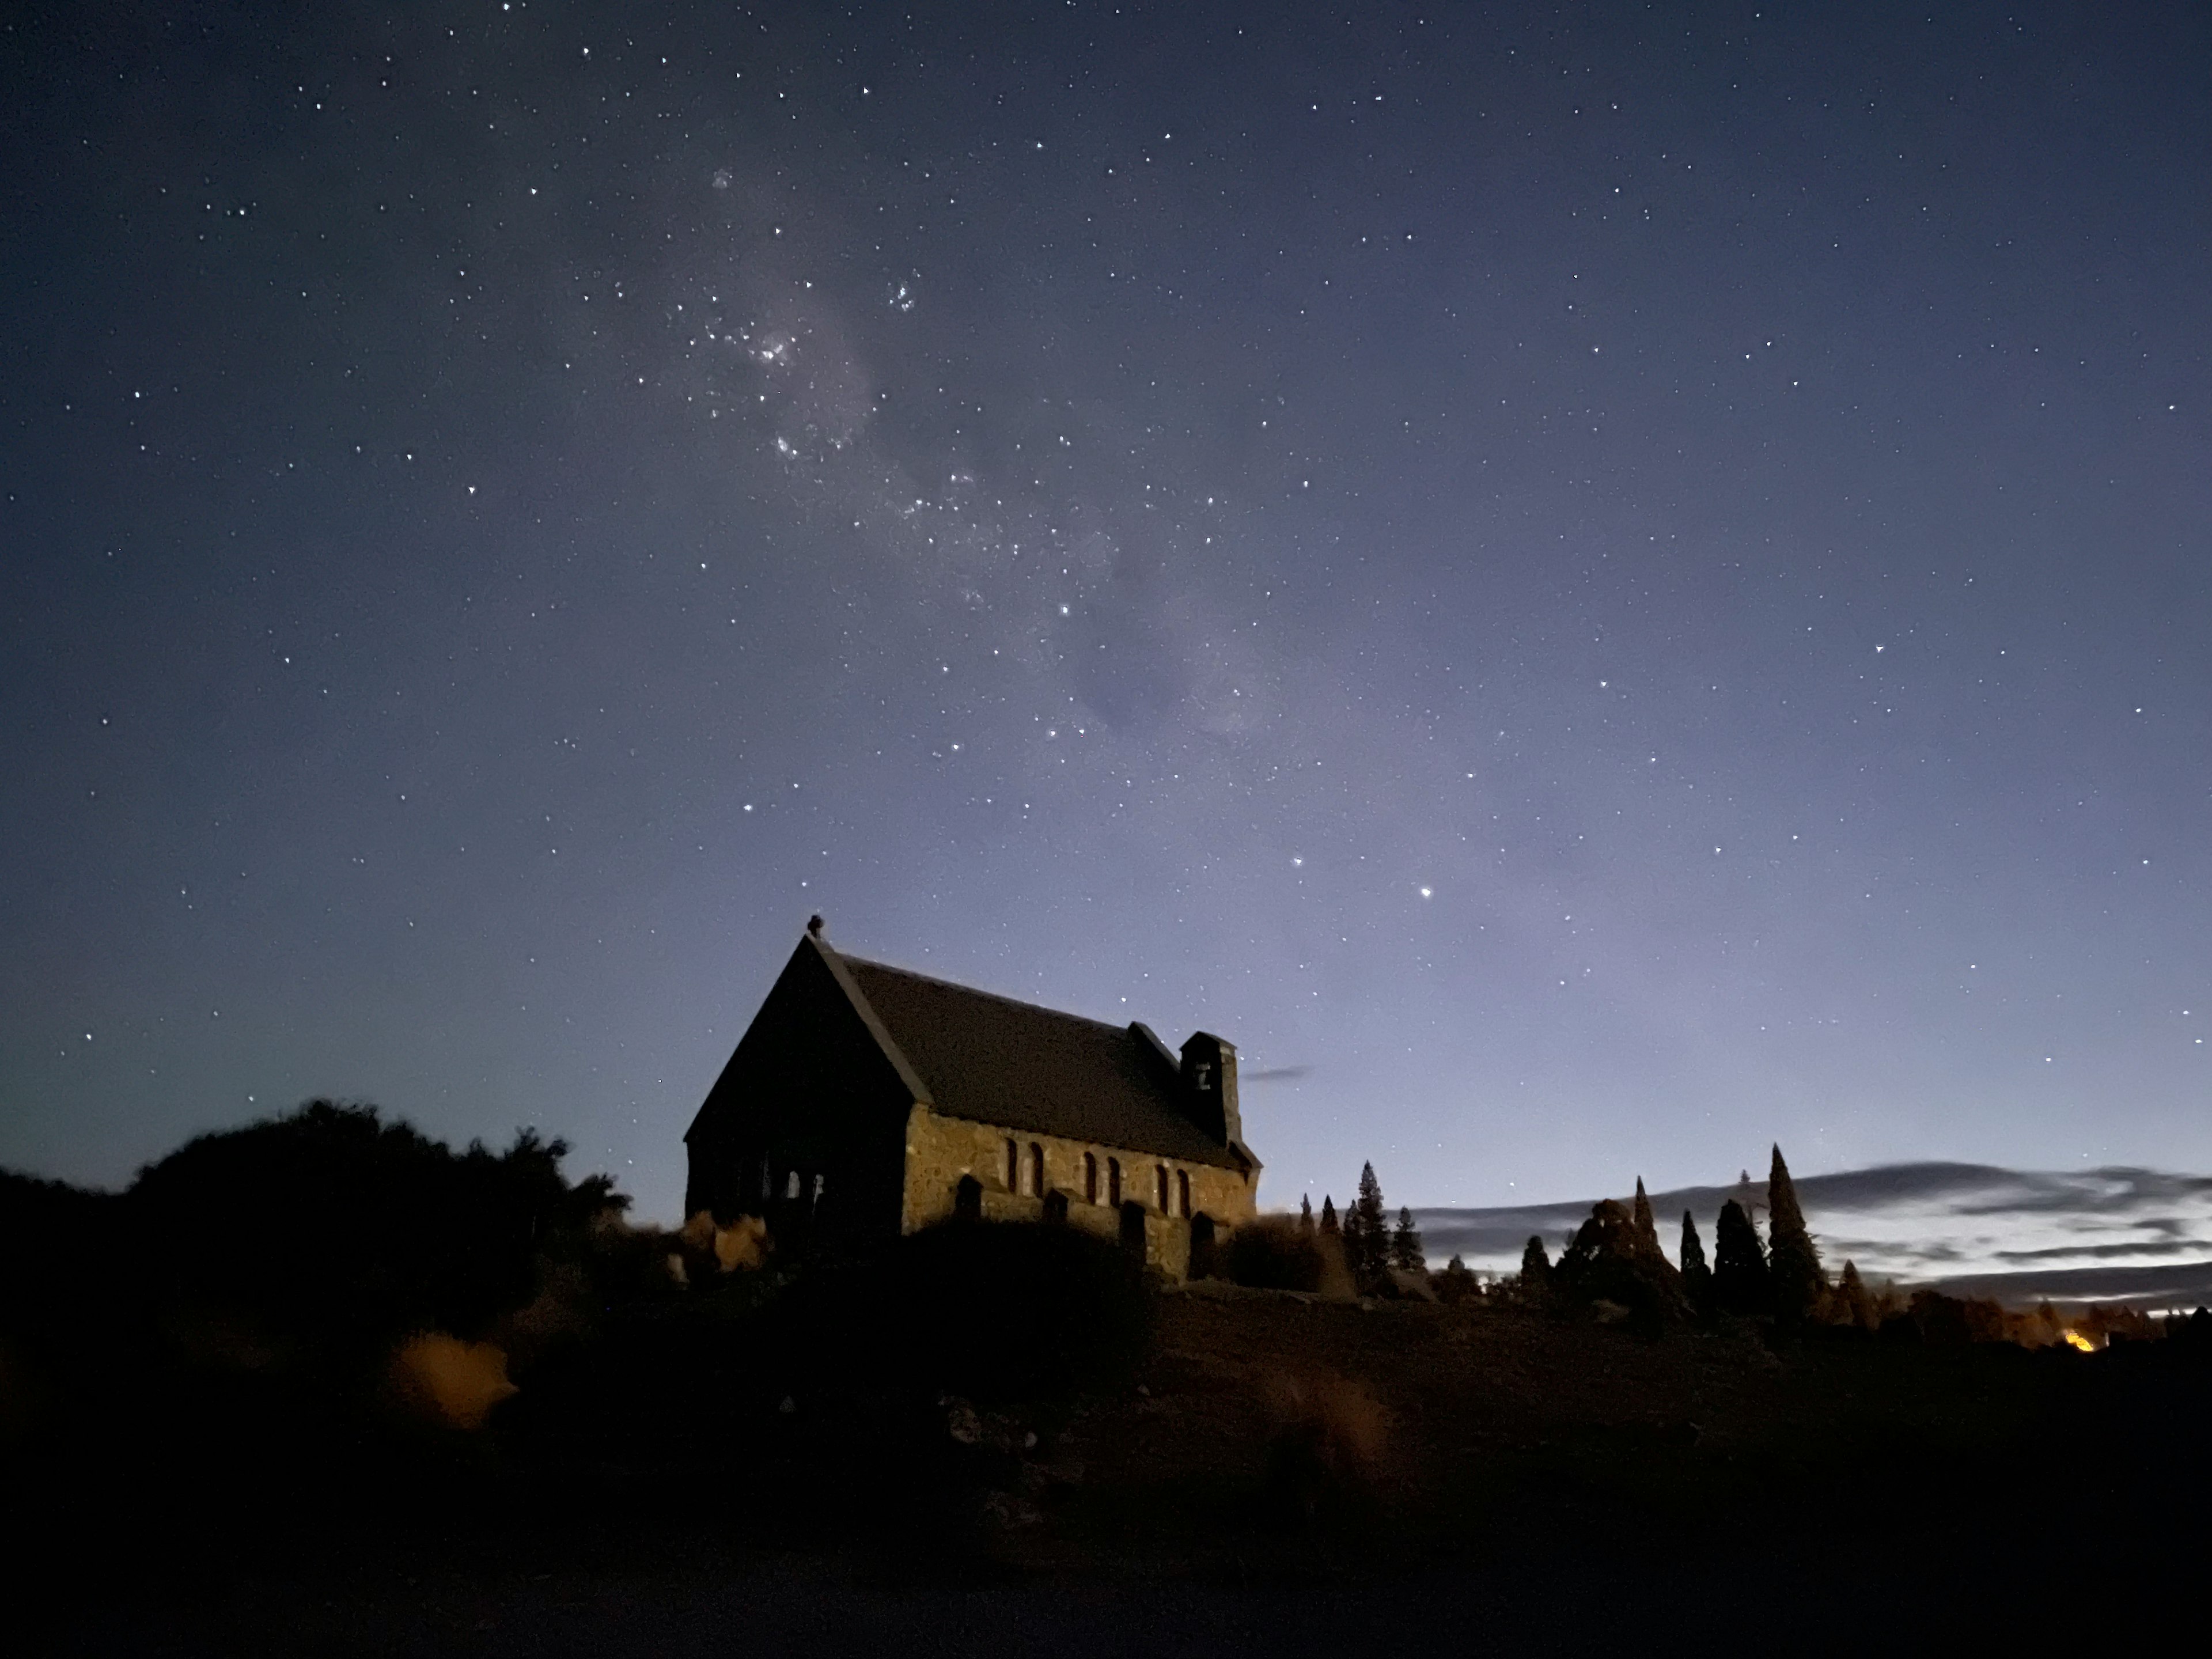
x=1595 y=587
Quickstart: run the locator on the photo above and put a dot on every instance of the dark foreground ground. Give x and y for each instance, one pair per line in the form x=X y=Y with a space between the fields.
x=1286 y=1475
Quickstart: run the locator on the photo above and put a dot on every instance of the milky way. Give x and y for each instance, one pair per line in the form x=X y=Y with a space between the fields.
x=1595 y=589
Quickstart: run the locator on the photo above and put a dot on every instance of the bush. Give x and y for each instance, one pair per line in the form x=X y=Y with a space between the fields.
x=1000 y=1311
x=335 y=1230
x=1274 y=1253
x=1326 y=1450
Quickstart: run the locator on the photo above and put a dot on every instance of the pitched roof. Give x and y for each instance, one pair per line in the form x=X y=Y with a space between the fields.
x=992 y=1059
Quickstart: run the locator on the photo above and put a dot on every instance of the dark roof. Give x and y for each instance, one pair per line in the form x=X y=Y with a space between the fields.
x=992 y=1059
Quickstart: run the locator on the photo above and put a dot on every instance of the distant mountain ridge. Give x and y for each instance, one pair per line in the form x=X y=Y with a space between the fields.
x=2116 y=1231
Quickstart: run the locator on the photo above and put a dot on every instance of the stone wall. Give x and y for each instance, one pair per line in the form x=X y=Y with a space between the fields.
x=940 y=1150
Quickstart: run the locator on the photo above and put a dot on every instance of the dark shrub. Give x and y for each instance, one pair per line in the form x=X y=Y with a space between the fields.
x=1457 y=1283
x=1327 y=1451
x=61 y=1254
x=1614 y=1259
x=998 y=1311
x=332 y=1228
x=1273 y=1253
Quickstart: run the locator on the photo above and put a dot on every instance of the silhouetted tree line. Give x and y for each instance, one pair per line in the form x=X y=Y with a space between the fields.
x=1363 y=1251
x=1614 y=1262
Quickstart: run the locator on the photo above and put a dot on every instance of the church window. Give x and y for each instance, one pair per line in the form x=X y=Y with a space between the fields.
x=1183 y=1193
x=1014 y=1166
x=1036 y=1170
x=1166 y=1208
x=1114 y=1182
x=1089 y=1177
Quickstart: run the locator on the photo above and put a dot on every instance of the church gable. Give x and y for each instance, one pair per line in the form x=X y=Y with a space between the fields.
x=810 y=1089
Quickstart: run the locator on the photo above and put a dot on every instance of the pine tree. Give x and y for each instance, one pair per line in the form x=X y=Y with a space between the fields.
x=1793 y=1260
x=1405 y=1244
x=1740 y=1277
x=1372 y=1252
x=1697 y=1277
x=1305 y=1212
x=1328 y=1215
x=1647 y=1229
x=1856 y=1303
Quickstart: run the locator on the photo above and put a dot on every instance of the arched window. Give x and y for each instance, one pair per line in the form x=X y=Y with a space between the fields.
x=1114 y=1182
x=1166 y=1207
x=1036 y=1170
x=1183 y=1193
x=791 y=1185
x=1014 y=1166
x=1090 y=1178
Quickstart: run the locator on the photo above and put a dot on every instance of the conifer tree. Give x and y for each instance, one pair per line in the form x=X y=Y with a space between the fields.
x=1328 y=1215
x=1793 y=1260
x=1647 y=1229
x=1697 y=1277
x=1371 y=1255
x=1405 y=1244
x=1305 y=1212
x=1740 y=1277
x=1536 y=1268
x=1856 y=1303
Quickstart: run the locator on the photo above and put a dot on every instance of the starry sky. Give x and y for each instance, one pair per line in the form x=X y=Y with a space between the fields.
x=1594 y=586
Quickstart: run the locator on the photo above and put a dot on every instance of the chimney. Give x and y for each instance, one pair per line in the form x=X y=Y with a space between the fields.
x=1209 y=1078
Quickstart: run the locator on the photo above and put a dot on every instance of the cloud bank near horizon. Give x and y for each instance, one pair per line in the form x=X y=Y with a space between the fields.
x=2119 y=1231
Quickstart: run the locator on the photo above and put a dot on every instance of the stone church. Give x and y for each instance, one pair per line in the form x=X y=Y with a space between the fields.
x=866 y=1101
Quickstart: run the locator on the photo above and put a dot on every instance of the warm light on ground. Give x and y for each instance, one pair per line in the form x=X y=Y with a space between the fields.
x=2080 y=1342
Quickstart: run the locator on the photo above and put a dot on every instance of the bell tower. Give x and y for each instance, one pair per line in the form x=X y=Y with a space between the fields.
x=1209 y=1082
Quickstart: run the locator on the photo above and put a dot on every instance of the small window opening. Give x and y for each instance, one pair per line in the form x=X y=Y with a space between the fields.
x=1114 y=1182
x=1014 y=1167
x=1089 y=1177
x=1036 y=1170
x=1183 y=1193
x=791 y=1185
x=1166 y=1208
